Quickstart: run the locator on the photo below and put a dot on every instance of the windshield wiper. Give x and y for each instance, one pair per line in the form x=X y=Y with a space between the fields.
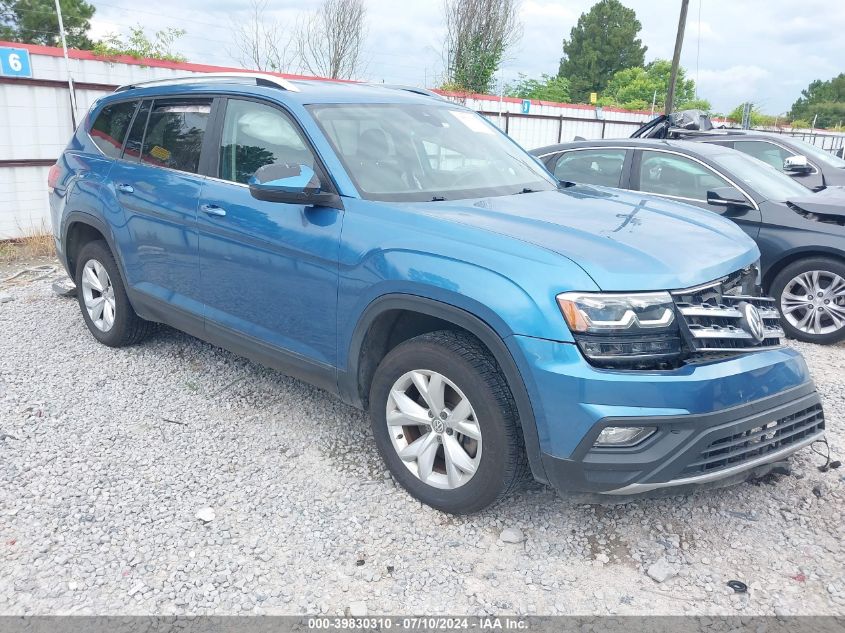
x=438 y=199
x=565 y=184
x=527 y=190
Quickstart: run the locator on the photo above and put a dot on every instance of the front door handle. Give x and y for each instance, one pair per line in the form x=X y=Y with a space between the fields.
x=213 y=209
x=126 y=188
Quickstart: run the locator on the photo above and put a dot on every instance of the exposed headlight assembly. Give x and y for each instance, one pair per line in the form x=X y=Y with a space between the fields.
x=623 y=330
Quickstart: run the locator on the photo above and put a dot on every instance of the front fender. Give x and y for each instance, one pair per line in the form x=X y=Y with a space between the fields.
x=490 y=285
x=491 y=296
x=507 y=283
x=506 y=351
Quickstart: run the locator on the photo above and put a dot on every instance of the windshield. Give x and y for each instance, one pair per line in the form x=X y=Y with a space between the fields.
x=767 y=181
x=817 y=153
x=422 y=152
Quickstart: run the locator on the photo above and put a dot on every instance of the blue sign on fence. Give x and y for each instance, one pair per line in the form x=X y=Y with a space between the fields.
x=526 y=106
x=14 y=62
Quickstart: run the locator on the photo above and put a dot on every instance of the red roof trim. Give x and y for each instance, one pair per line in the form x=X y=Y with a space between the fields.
x=53 y=51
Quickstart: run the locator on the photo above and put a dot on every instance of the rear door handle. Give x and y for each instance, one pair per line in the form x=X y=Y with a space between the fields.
x=213 y=209
x=126 y=189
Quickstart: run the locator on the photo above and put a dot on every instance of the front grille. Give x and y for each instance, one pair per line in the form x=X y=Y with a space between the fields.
x=712 y=320
x=756 y=442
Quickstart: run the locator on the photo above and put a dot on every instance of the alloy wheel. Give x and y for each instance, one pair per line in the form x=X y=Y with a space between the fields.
x=98 y=294
x=814 y=302
x=434 y=429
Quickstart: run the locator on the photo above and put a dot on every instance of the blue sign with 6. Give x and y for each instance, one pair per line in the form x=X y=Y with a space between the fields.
x=14 y=62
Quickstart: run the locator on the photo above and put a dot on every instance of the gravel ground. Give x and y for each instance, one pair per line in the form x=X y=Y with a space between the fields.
x=107 y=456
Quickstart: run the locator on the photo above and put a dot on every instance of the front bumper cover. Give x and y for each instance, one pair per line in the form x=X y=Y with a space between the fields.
x=694 y=450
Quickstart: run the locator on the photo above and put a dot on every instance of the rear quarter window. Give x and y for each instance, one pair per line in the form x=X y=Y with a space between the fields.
x=109 y=128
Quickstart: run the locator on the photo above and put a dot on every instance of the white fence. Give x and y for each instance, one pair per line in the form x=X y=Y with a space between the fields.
x=36 y=121
x=547 y=123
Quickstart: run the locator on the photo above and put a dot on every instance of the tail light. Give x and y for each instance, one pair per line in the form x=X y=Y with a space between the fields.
x=53 y=176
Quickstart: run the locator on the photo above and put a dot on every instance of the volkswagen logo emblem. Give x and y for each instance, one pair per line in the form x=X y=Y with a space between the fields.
x=751 y=321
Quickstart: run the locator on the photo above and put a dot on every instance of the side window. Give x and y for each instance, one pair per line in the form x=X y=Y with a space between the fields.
x=110 y=127
x=769 y=153
x=255 y=135
x=132 y=151
x=672 y=175
x=591 y=166
x=174 y=133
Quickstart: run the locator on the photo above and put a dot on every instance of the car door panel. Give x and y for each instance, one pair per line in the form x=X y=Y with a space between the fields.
x=158 y=238
x=269 y=270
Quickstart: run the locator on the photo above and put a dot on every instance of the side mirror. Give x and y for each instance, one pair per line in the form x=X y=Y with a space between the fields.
x=727 y=197
x=798 y=164
x=291 y=184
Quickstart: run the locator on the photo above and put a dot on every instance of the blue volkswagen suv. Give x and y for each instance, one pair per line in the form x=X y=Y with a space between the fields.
x=402 y=253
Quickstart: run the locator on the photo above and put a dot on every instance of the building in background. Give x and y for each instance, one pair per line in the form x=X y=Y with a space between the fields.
x=36 y=122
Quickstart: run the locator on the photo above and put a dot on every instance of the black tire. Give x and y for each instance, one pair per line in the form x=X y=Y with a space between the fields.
x=128 y=328
x=791 y=271
x=503 y=465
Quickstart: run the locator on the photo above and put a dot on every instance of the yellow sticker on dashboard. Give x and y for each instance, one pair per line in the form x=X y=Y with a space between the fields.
x=159 y=152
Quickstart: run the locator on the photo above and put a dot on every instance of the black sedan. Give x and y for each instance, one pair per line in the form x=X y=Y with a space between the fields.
x=801 y=234
x=810 y=166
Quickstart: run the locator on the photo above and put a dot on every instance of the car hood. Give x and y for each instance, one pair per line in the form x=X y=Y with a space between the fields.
x=829 y=201
x=624 y=241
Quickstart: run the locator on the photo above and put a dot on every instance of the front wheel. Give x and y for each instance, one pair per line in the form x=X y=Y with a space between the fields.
x=810 y=295
x=445 y=422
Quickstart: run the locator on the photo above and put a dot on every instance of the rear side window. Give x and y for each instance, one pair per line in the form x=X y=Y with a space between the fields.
x=591 y=166
x=132 y=150
x=110 y=127
x=174 y=134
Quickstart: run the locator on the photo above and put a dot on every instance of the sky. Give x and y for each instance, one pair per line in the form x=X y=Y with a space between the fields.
x=746 y=50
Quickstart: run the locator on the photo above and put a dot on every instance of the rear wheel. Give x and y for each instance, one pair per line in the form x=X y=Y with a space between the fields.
x=810 y=294
x=445 y=422
x=102 y=298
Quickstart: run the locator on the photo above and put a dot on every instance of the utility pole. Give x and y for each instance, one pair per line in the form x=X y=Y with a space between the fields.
x=747 y=110
x=67 y=66
x=676 y=58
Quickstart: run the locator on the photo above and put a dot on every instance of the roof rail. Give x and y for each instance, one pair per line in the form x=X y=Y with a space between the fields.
x=260 y=79
x=414 y=89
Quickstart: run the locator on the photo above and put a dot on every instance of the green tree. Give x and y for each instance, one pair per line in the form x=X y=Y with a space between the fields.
x=36 y=22
x=602 y=43
x=547 y=88
x=823 y=100
x=757 y=117
x=478 y=33
x=139 y=46
x=634 y=88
